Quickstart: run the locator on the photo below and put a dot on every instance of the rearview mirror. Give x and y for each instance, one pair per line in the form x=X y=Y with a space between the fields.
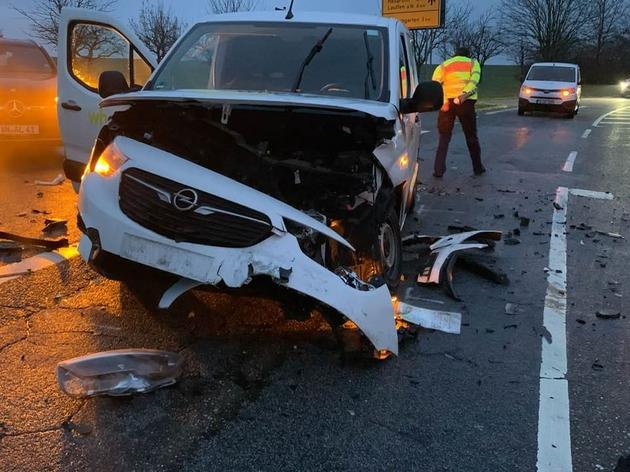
x=428 y=96
x=112 y=82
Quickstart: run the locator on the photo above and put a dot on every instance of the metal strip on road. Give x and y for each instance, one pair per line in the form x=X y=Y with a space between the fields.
x=35 y=263
x=568 y=165
x=554 y=414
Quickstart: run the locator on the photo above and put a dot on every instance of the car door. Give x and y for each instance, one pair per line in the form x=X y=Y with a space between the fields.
x=411 y=121
x=90 y=43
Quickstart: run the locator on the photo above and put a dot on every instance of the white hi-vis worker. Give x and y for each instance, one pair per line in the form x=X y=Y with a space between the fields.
x=459 y=77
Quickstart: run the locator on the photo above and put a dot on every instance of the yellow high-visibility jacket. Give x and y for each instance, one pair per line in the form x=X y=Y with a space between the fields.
x=458 y=75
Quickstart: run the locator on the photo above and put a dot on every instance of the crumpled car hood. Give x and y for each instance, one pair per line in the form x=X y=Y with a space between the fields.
x=370 y=107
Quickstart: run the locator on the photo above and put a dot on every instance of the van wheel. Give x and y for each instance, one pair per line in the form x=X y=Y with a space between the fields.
x=390 y=250
x=521 y=111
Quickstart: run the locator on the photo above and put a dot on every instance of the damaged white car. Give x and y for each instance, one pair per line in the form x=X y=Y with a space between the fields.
x=265 y=145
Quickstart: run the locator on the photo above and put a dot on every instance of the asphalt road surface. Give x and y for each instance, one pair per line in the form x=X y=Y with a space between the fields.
x=264 y=391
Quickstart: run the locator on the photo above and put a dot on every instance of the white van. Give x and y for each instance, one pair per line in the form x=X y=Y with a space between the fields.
x=551 y=86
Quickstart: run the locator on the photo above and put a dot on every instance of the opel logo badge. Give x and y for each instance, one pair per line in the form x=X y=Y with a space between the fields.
x=16 y=108
x=185 y=199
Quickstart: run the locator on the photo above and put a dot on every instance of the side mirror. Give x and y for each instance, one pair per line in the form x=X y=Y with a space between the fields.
x=429 y=96
x=112 y=82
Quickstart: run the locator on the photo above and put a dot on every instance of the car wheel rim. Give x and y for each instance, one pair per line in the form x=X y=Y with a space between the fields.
x=388 y=245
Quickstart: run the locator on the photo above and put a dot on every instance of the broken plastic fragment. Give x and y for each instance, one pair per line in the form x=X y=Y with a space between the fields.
x=444 y=321
x=118 y=373
x=51 y=183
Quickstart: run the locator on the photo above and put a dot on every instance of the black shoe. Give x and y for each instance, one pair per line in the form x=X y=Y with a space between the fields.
x=480 y=172
x=438 y=176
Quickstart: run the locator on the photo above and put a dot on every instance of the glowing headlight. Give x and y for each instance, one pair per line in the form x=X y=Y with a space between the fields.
x=624 y=84
x=110 y=161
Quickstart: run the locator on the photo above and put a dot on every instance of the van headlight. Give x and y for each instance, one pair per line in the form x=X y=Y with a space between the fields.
x=110 y=160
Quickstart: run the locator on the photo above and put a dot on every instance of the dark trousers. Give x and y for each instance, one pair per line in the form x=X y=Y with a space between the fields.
x=446 y=120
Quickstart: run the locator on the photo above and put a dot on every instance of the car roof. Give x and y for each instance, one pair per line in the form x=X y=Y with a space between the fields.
x=18 y=42
x=556 y=64
x=300 y=16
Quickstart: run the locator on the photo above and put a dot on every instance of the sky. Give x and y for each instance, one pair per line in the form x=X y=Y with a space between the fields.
x=14 y=25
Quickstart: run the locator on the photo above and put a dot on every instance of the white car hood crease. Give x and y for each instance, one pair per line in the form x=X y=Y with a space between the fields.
x=376 y=109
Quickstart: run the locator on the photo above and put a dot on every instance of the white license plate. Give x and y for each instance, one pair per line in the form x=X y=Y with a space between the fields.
x=547 y=101
x=168 y=258
x=19 y=129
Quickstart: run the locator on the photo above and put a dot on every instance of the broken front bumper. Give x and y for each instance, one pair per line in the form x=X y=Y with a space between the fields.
x=279 y=256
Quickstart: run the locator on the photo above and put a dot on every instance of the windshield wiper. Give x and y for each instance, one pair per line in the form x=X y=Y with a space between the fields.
x=314 y=51
x=370 y=67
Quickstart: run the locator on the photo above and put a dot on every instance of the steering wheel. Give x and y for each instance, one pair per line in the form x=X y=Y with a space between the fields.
x=334 y=87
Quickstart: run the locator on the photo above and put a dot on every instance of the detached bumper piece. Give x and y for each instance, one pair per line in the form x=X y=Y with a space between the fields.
x=444 y=253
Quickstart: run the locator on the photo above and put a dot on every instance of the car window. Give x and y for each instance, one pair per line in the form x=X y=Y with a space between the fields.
x=269 y=56
x=95 y=49
x=23 y=59
x=403 y=66
x=552 y=73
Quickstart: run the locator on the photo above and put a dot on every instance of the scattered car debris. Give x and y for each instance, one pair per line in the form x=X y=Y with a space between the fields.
x=46 y=243
x=608 y=314
x=612 y=235
x=477 y=267
x=597 y=366
x=51 y=183
x=55 y=226
x=524 y=222
x=444 y=321
x=512 y=241
x=9 y=248
x=513 y=309
x=119 y=372
x=557 y=206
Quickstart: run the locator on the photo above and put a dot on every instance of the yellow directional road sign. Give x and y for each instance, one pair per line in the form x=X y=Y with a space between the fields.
x=416 y=14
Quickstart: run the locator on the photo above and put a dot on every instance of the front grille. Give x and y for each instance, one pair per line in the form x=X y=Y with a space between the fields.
x=149 y=200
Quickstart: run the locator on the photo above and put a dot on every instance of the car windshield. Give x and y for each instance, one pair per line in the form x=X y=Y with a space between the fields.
x=345 y=61
x=552 y=73
x=23 y=59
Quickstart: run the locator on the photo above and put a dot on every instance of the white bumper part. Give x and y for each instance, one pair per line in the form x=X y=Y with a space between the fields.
x=278 y=257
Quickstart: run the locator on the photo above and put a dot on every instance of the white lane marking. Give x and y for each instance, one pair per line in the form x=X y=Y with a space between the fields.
x=424 y=131
x=601 y=118
x=568 y=165
x=591 y=194
x=35 y=263
x=554 y=420
x=500 y=111
x=554 y=429
x=587 y=133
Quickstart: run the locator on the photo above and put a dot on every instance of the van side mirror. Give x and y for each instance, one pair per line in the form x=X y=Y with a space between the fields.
x=428 y=96
x=112 y=82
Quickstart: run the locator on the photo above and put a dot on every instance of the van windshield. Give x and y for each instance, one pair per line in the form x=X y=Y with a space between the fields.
x=268 y=57
x=23 y=59
x=552 y=73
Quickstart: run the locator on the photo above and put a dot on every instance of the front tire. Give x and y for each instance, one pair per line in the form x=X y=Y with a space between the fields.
x=521 y=111
x=389 y=247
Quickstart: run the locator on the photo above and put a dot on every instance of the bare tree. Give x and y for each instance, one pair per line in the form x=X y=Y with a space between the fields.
x=426 y=41
x=231 y=6
x=605 y=18
x=551 y=29
x=157 y=27
x=44 y=15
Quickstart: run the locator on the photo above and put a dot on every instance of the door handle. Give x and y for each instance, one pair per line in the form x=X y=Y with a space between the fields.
x=71 y=105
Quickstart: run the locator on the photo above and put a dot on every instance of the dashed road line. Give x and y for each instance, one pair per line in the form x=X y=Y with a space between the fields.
x=587 y=133
x=568 y=165
x=33 y=264
x=554 y=420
